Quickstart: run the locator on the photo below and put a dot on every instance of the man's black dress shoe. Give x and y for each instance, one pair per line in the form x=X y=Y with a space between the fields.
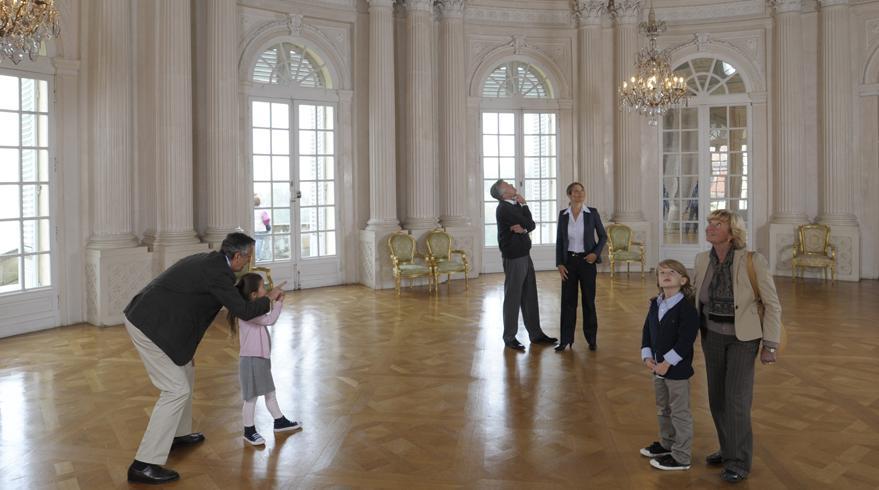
x=562 y=347
x=515 y=345
x=153 y=474
x=544 y=340
x=187 y=440
x=593 y=346
x=714 y=458
x=731 y=476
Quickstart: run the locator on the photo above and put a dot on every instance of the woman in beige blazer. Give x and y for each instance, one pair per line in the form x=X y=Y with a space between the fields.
x=732 y=334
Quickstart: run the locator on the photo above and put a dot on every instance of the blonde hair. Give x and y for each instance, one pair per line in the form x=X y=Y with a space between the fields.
x=736 y=226
x=688 y=289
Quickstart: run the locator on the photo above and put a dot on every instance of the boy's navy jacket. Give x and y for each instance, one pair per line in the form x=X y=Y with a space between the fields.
x=677 y=331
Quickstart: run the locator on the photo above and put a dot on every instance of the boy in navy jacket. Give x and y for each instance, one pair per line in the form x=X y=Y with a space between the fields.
x=667 y=350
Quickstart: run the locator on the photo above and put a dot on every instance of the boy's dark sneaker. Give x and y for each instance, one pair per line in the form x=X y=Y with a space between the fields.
x=668 y=463
x=654 y=450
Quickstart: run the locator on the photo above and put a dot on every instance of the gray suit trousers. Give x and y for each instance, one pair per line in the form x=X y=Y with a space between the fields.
x=729 y=364
x=520 y=292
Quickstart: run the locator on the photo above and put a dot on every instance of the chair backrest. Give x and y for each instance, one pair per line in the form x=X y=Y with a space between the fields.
x=619 y=236
x=265 y=272
x=402 y=245
x=814 y=238
x=439 y=244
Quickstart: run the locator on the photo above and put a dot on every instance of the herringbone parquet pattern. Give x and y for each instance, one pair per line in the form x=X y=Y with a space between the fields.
x=417 y=392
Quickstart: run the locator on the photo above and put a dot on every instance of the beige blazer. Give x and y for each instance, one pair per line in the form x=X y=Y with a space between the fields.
x=747 y=320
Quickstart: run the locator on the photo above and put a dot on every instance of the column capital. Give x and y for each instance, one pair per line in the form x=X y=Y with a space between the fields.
x=589 y=12
x=380 y=3
x=833 y=3
x=627 y=11
x=786 y=6
x=417 y=5
x=451 y=8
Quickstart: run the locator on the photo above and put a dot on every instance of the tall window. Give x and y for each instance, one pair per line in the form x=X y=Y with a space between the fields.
x=705 y=146
x=25 y=226
x=521 y=147
x=293 y=152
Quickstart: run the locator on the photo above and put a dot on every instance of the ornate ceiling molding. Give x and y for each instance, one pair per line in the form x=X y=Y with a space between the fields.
x=501 y=15
x=450 y=8
x=589 y=12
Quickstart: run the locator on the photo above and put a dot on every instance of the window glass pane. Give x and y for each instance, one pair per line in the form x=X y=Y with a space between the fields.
x=260 y=114
x=325 y=143
x=280 y=116
x=309 y=193
x=489 y=145
x=9 y=201
x=308 y=243
x=671 y=142
x=281 y=168
x=35 y=234
x=307 y=116
x=37 y=273
x=490 y=212
x=43 y=132
x=262 y=169
x=330 y=241
x=9 y=129
x=489 y=123
x=281 y=246
x=325 y=118
x=490 y=235
x=9 y=93
x=10 y=266
x=261 y=141
x=506 y=123
x=671 y=164
x=329 y=218
x=326 y=168
x=280 y=142
x=9 y=165
x=736 y=85
x=717 y=118
x=264 y=192
x=689 y=118
x=307 y=142
x=326 y=193
x=690 y=164
x=307 y=219
x=507 y=168
x=507 y=146
x=689 y=141
x=29 y=130
x=281 y=219
x=281 y=195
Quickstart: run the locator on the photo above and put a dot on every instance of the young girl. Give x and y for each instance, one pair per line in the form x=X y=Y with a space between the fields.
x=255 y=366
x=667 y=350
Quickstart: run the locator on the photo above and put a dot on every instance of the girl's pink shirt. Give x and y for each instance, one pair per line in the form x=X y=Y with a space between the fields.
x=254 y=336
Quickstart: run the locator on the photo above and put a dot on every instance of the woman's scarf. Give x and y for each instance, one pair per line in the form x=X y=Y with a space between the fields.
x=720 y=291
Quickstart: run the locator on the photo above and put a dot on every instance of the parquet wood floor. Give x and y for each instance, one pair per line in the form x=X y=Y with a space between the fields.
x=418 y=392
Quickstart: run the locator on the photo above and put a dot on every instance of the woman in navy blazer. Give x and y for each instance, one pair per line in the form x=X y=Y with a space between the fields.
x=577 y=251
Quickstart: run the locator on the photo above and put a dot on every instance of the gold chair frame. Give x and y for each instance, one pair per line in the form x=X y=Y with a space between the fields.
x=436 y=257
x=612 y=248
x=801 y=257
x=398 y=261
x=263 y=271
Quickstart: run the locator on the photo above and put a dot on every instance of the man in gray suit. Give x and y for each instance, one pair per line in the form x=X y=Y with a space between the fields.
x=166 y=321
x=514 y=222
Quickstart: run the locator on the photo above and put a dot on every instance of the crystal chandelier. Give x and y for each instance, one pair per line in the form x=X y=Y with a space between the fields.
x=24 y=25
x=654 y=88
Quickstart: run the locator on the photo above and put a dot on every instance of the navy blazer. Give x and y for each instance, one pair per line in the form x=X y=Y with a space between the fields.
x=591 y=227
x=677 y=331
x=176 y=308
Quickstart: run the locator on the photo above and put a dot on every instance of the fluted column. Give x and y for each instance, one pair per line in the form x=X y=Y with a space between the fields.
x=382 y=127
x=836 y=207
x=220 y=124
x=453 y=110
x=110 y=95
x=589 y=14
x=173 y=125
x=789 y=173
x=627 y=140
x=421 y=206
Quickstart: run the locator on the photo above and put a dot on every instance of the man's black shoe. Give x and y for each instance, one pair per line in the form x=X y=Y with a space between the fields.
x=731 y=476
x=714 y=459
x=153 y=474
x=515 y=345
x=544 y=340
x=187 y=440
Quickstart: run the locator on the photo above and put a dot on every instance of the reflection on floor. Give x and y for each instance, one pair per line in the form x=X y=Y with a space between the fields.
x=417 y=392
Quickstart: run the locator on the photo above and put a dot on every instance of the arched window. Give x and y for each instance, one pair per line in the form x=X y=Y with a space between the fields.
x=516 y=79
x=287 y=63
x=293 y=153
x=520 y=145
x=705 y=145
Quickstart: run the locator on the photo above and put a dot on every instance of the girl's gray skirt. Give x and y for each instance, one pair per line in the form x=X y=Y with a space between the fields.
x=256 y=376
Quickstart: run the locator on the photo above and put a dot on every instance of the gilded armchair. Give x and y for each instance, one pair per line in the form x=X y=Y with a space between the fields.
x=621 y=248
x=265 y=272
x=813 y=250
x=440 y=254
x=404 y=260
